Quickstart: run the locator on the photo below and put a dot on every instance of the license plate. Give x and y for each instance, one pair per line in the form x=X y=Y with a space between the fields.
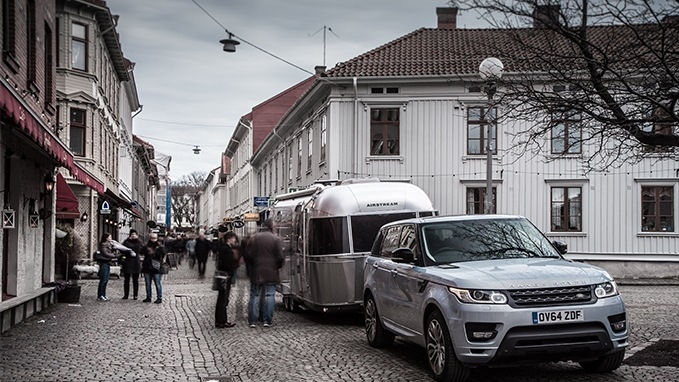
x=558 y=316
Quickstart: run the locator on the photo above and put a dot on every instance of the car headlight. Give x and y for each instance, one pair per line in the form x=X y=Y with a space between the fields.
x=607 y=289
x=475 y=296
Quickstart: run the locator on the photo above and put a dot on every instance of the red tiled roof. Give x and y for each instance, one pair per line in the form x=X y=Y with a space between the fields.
x=436 y=52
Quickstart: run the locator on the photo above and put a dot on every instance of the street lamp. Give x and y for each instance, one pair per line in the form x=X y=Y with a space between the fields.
x=490 y=71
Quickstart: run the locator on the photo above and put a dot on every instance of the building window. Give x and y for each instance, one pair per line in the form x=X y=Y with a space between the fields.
x=79 y=46
x=77 y=131
x=384 y=131
x=49 y=82
x=275 y=185
x=657 y=209
x=290 y=163
x=9 y=29
x=310 y=147
x=299 y=157
x=566 y=133
x=477 y=129
x=566 y=209
x=324 y=138
x=264 y=181
x=31 y=41
x=476 y=197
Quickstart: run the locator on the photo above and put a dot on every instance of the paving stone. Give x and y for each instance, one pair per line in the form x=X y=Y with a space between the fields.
x=127 y=340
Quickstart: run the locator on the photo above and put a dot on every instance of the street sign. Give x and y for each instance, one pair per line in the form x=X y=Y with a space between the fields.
x=261 y=201
x=251 y=217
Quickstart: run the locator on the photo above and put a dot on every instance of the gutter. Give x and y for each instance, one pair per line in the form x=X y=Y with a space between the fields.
x=141 y=108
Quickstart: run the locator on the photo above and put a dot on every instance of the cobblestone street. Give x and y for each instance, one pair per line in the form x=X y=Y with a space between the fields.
x=126 y=340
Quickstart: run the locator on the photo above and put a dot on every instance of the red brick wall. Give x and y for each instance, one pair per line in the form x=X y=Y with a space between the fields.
x=266 y=115
x=45 y=11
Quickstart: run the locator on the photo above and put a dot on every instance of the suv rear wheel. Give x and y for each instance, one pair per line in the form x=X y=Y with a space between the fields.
x=440 y=353
x=378 y=336
x=605 y=363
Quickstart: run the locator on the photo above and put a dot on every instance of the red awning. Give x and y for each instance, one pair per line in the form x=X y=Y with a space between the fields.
x=67 y=203
x=40 y=134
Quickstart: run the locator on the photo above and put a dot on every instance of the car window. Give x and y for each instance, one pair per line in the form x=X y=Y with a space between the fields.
x=409 y=239
x=365 y=227
x=485 y=239
x=391 y=240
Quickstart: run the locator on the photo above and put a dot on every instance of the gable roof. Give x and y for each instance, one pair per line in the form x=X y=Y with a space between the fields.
x=439 y=52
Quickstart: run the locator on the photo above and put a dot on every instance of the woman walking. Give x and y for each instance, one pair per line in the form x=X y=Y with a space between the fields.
x=154 y=257
x=104 y=256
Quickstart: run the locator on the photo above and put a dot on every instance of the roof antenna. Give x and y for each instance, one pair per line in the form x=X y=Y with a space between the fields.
x=325 y=29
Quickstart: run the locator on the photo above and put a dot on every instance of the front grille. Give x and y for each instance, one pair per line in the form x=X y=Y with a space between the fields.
x=551 y=296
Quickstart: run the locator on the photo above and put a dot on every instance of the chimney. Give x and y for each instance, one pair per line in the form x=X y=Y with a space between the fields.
x=320 y=70
x=447 y=18
x=546 y=16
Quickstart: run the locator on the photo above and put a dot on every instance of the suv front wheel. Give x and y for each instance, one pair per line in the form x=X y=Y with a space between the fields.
x=440 y=353
x=378 y=336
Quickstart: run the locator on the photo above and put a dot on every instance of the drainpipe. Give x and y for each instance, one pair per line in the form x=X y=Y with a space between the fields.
x=141 y=107
x=354 y=130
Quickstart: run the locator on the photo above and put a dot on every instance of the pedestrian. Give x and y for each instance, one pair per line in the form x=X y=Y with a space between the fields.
x=104 y=256
x=131 y=264
x=203 y=247
x=265 y=258
x=191 y=249
x=154 y=257
x=227 y=263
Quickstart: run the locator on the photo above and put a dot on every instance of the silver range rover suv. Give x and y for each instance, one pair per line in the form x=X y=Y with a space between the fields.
x=489 y=290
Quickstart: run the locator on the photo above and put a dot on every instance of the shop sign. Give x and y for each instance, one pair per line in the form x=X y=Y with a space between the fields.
x=105 y=208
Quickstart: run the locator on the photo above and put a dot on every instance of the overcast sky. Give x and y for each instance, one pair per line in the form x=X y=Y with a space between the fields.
x=184 y=78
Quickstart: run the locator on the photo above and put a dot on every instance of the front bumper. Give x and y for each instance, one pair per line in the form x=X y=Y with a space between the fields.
x=519 y=340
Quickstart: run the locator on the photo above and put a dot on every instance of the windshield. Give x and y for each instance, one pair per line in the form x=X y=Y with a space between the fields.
x=365 y=228
x=492 y=239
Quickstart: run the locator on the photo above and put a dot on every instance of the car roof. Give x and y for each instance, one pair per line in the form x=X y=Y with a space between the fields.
x=452 y=218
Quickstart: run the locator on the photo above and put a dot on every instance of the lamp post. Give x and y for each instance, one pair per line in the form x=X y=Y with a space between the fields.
x=490 y=71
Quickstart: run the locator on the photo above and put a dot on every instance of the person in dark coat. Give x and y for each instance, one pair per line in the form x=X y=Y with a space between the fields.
x=203 y=247
x=265 y=258
x=106 y=253
x=153 y=250
x=227 y=263
x=131 y=265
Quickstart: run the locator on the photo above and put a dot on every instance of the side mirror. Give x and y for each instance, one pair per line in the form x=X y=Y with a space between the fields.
x=403 y=255
x=560 y=246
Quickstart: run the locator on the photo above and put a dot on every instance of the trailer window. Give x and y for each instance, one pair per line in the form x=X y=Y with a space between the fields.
x=365 y=228
x=329 y=236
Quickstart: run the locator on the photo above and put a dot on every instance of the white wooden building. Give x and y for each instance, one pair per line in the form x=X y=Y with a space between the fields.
x=401 y=112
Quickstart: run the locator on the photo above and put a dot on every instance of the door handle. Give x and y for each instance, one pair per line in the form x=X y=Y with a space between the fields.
x=375 y=265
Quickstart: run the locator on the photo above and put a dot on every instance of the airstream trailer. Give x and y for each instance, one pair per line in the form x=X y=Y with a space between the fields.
x=327 y=231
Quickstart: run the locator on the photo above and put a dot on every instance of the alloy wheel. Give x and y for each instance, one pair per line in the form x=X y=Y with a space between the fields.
x=370 y=319
x=436 y=347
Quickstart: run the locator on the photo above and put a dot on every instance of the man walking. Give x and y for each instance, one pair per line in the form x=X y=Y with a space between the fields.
x=132 y=264
x=227 y=262
x=202 y=252
x=265 y=258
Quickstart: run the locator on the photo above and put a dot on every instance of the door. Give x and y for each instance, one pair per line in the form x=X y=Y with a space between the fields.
x=408 y=285
x=385 y=272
